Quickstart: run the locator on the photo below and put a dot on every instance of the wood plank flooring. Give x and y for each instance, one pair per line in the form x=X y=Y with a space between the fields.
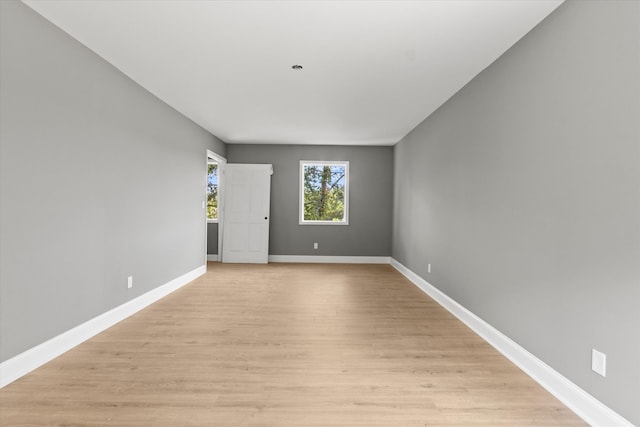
x=285 y=345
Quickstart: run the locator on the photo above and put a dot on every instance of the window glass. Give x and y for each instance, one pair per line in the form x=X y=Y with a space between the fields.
x=212 y=192
x=324 y=192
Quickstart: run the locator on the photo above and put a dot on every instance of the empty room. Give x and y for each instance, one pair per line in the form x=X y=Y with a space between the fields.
x=320 y=213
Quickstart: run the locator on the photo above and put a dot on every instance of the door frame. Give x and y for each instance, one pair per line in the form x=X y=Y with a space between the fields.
x=222 y=163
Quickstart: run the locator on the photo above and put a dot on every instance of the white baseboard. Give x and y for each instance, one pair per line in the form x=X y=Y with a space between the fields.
x=212 y=257
x=23 y=363
x=579 y=401
x=331 y=259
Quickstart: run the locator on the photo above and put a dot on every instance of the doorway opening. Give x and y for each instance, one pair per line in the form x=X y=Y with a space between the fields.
x=216 y=165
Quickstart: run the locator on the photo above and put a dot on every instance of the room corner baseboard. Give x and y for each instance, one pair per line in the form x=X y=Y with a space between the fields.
x=331 y=259
x=579 y=401
x=23 y=363
x=212 y=257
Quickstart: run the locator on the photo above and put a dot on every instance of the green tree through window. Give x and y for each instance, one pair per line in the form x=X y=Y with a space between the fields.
x=324 y=192
x=212 y=191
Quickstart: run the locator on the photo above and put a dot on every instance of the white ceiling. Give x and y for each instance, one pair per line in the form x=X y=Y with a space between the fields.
x=373 y=70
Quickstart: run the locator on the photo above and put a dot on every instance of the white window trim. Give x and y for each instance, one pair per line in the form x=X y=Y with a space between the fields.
x=301 y=219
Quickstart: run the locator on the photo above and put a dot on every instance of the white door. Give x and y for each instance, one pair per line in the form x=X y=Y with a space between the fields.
x=246 y=216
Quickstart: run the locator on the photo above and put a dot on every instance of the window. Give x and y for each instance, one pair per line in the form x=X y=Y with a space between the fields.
x=324 y=192
x=212 y=192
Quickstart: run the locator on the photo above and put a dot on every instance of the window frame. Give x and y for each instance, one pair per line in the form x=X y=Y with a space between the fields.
x=303 y=163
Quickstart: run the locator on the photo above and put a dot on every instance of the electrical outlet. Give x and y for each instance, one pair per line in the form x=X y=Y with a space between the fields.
x=315 y=245
x=428 y=268
x=129 y=282
x=598 y=362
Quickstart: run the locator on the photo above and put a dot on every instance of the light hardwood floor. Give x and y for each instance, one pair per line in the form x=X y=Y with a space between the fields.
x=285 y=345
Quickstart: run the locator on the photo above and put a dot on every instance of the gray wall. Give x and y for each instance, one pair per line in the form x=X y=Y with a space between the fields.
x=212 y=238
x=523 y=192
x=99 y=180
x=371 y=175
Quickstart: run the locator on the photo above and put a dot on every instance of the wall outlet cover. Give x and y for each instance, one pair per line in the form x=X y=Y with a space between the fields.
x=598 y=362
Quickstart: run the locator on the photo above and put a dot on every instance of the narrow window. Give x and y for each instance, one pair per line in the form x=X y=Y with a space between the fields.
x=324 y=192
x=212 y=192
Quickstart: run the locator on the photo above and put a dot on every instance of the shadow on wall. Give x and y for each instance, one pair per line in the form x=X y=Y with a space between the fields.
x=212 y=238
